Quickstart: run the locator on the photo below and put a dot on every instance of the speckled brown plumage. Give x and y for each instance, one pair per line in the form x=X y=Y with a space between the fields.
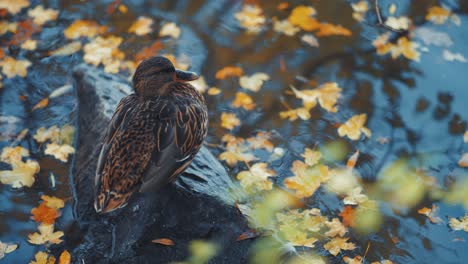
x=153 y=135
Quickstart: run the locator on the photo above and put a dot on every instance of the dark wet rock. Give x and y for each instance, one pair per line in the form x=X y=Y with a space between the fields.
x=198 y=206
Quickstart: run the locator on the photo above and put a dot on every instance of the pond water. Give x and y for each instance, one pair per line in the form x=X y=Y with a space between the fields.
x=416 y=108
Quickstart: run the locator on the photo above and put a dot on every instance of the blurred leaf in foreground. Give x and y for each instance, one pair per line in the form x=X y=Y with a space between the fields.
x=6 y=248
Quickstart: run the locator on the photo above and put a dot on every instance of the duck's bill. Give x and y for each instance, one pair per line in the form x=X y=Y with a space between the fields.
x=186 y=76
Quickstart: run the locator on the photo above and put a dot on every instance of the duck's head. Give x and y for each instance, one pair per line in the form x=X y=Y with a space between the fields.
x=153 y=76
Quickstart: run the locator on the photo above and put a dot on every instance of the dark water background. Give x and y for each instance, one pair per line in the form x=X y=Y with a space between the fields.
x=420 y=107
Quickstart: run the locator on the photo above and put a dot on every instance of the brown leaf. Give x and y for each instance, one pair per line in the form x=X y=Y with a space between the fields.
x=43 y=103
x=348 y=216
x=65 y=257
x=45 y=214
x=249 y=234
x=24 y=32
x=148 y=51
x=163 y=241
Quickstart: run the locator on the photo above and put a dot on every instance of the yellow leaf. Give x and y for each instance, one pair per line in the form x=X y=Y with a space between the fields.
x=13 y=154
x=12 y=67
x=326 y=29
x=301 y=16
x=306 y=179
x=355 y=260
x=213 y=91
x=29 y=44
x=360 y=9
x=229 y=120
x=465 y=137
x=326 y=95
x=311 y=156
x=171 y=30
x=335 y=245
x=141 y=26
x=83 y=28
x=254 y=82
x=199 y=84
x=243 y=100
x=42 y=103
x=342 y=181
x=256 y=178
x=251 y=18
x=285 y=27
x=336 y=228
x=14 y=6
x=53 y=202
x=52 y=133
x=261 y=140
x=21 y=175
x=46 y=235
x=398 y=23
x=104 y=51
x=294 y=114
x=65 y=257
x=233 y=155
x=355 y=197
x=229 y=71
x=463 y=162
x=6 y=26
x=67 y=49
x=354 y=127
x=59 y=152
x=431 y=214
x=461 y=224
x=438 y=15
x=352 y=160
x=43 y=258
x=40 y=15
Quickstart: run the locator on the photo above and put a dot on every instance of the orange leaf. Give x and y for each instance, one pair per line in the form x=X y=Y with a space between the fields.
x=148 y=51
x=43 y=103
x=163 y=241
x=326 y=29
x=45 y=214
x=282 y=6
x=113 y=6
x=348 y=216
x=2 y=53
x=352 y=160
x=229 y=71
x=249 y=234
x=65 y=257
x=25 y=30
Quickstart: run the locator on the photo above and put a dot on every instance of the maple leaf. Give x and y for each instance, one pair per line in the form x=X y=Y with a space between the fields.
x=13 y=154
x=5 y=27
x=104 y=51
x=243 y=100
x=360 y=9
x=253 y=82
x=261 y=140
x=355 y=260
x=257 y=177
x=46 y=235
x=53 y=202
x=229 y=120
x=342 y=181
x=14 y=6
x=52 y=133
x=40 y=15
x=141 y=26
x=301 y=16
x=12 y=67
x=306 y=179
x=21 y=175
x=213 y=91
x=29 y=44
x=327 y=29
x=229 y=71
x=65 y=257
x=233 y=155
x=83 y=28
x=354 y=127
x=461 y=224
x=398 y=23
x=59 y=152
x=43 y=258
x=293 y=114
x=335 y=245
x=45 y=214
x=326 y=95
x=431 y=214
x=348 y=216
x=355 y=197
x=285 y=27
x=439 y=15
x=6 y=248
x=311 y=157
x=163 y=241
x=336 y=228
x=251 y=18
x=171 y=30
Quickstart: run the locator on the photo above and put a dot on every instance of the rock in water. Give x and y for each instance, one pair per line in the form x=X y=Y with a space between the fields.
x=198 y=206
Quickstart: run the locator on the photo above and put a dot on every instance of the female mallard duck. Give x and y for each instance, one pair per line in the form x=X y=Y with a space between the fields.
x=153 y=135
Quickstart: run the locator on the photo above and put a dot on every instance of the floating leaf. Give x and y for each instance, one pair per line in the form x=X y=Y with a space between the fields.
x=13 y=154
x=327 y=29
x=450 y=56
x=67 y=49
x=261 y=140
x=45 y=214
x=311 y=156
x=360 y=9
x=354 y=127
x=46 y=235
x=293 y=114
x=251 y=18
x=43 y=258
x=234 y=155
x=253 y=82
x=21 y=175
x=311 y=40
x=355 y=197
x=301 y=16
x=65 y=257
x=213 y=91
x=229 y=120
x=104 y=51
x=6 y=248
x=83 y=28
x=40 y=15
x=41 y=104
x=53 y=202
x=285 y=27
x=336 y=228
x=306 y=179
x=398 y=23
x=256 y=178
x=14 y=6
x=170 y=30
x=461 y=224
x=352 y=160
x=141 y=26
x=243 y=100
x=439 y=15
x=348 y=216
x=335 y=245
x=431 y=214
x=326 y=95
x=60 y=152
x=12 y=67
x=29 y=44
x=229 y=71
x=52 y=133
x=163 y=241
x=355 y=260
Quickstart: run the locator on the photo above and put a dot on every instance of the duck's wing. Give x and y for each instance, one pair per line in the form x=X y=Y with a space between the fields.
x=179 y=135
